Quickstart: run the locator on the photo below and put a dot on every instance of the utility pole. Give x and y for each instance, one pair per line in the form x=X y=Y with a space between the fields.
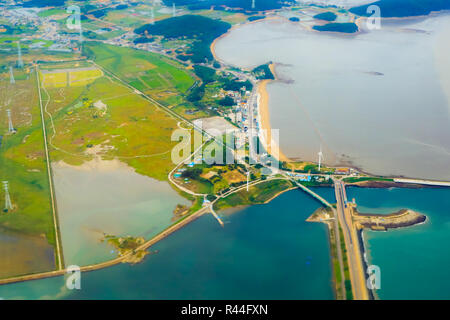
x=248 y=178
x=152 y=15
x=11 y=75
x=8 y=204
x=19 y=56
x=10 y=124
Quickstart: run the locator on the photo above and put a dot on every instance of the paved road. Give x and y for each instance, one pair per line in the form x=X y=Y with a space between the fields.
x=354 y=257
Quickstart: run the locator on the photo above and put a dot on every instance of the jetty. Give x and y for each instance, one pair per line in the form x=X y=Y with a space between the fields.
x=383 y=222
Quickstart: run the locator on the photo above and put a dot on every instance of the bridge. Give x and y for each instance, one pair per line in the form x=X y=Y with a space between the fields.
x=312 y=193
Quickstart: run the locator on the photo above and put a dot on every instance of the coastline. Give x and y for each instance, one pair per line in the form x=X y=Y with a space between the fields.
x=263 y=114
x=212 y=47
x=264 y=117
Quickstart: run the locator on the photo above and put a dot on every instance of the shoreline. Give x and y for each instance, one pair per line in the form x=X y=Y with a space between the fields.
x=263 y=114
x=263 y=111
x=264 y=117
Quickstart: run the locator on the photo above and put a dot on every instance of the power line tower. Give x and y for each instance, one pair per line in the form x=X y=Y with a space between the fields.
x=248 y=179
x=174 y=10
x=19 y=56
x=11 y=75
x=253 y=4
x=10 y=124
x=152 y=13
x=8 y=204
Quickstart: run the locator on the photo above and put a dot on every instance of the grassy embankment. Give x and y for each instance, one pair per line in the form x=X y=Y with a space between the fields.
x=403 y=8
x=323 y=215
x=257 y=194
x=347 y=281
x=362 y=179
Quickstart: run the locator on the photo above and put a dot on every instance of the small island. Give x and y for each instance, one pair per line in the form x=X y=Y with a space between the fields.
x=127 y=247
x=348 y=27
x=327 y=16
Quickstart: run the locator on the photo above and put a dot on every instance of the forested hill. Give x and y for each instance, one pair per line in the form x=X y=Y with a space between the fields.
x=203 y=30
x=404 y=8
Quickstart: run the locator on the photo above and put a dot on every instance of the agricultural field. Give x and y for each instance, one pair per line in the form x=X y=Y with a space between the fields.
x=27 y=234
x=230 y=17
x=162 y=78
x=109 y=120
x=69 y=77
x=135 y=16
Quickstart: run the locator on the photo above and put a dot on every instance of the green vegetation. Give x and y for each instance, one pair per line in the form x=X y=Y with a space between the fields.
x=306 y=167
x=403 y=8
x=127 y=245
x=22 y=162
x=202 y=31
x=334 y=257
x=263 y=72
x=51 y=12
x=146 y=70
x=254 y=18
x=257 y=194
x=327 y=16
x=361 y=179
x=165 y=80
x=233 y=5
x=109 y=120
x=347 y=282
x=206 y=74
x=348 y=27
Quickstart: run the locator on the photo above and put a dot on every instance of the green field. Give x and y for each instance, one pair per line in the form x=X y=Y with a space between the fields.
x=22 y=164
x=361 y=179
x=257 y=194
x=163 y=79
x=128 y=128
x=69 y=77
x=22 y=159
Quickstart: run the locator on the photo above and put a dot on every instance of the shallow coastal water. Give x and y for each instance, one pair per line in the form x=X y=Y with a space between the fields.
x=22 y=254
x=374 y=100
x=264 y=252
x=108 y=197
x=270 y=252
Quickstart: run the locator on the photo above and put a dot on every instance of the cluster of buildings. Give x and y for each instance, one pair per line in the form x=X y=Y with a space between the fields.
x=20 y=16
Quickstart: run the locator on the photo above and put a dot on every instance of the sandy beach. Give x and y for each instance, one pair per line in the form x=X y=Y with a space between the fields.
x=263 y=96
x=264 y=116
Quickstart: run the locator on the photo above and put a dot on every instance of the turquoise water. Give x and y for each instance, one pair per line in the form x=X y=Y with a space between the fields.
x=270 y=252
x=414 y=261
x=110 y=198
x=264 y=252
